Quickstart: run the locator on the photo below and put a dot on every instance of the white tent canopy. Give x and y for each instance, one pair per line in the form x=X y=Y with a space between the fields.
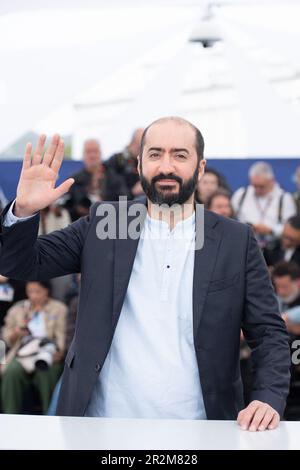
x=101 y=68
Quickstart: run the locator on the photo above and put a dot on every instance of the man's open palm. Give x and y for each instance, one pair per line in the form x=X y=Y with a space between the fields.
x=36 y=189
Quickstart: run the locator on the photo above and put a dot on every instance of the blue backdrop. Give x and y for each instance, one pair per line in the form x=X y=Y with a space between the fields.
x=235 y=171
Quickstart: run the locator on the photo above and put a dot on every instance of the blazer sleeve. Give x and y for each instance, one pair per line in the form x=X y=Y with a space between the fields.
x=265 y=332
x=25 y=256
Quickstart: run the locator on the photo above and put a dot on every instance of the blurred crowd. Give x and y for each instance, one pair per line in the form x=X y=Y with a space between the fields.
x=37 y=319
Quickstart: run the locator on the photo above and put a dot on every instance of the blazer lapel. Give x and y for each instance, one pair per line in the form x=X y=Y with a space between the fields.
x=204 y=263
x=125 y=251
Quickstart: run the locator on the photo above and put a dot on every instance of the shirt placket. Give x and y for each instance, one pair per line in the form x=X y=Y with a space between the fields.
x=167 y=269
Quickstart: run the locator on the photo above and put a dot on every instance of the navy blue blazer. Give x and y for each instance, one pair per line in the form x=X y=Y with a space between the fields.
x=231 y=290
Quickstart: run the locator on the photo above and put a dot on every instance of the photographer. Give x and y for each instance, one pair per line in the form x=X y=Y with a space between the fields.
x=38 y=320
x=263 y=204
x=122 y=173
x=3 y=200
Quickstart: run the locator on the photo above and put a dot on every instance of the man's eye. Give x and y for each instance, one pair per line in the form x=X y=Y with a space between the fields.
x=181 y=156
x=154 y=155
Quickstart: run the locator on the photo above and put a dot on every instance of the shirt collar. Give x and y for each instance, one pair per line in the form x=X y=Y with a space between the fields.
x=160 y=229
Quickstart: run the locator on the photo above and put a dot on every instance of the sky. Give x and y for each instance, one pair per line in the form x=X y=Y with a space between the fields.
x=102 y=68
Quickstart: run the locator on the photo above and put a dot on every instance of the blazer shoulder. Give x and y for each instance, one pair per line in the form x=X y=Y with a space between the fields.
x=96 y=205
x=228 y=226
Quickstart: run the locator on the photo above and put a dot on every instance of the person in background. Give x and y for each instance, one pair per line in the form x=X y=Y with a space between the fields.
x=3 y=200
x=41 y=317
x=263 y=204
x=286 y=280
x=122 y=170
x=296 y=194
x=72 y=302
x=220 y=203
x=292 y=320
x=287 y=247
x=90 y=182
x=211 y=181
x=56 y=217
x=10 y=292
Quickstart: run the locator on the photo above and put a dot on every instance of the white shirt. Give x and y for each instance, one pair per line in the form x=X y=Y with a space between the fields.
x=288 y=254
x=264 y=209
x=11 y=219
x=151 y=369
x=37 y=326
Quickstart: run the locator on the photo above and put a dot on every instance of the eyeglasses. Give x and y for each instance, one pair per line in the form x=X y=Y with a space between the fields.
x=259 y=186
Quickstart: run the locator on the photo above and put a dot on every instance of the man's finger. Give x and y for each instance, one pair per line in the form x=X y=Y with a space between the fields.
x=50 y=152
x=38 y=153
x=246 y=415
x=27 y=157
x=58 y=157
x=275 y=421
x=270 y=413
x=258 y=417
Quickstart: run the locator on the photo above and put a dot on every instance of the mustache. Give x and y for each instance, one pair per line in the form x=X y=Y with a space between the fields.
x=162 y=177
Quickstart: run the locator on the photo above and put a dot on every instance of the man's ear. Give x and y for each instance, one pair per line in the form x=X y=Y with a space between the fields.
x=202 y=164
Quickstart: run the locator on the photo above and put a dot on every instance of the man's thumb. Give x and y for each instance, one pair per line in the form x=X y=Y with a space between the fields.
x=64 y=187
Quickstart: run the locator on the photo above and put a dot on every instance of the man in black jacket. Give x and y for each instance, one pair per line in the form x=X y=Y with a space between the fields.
x=165 y=291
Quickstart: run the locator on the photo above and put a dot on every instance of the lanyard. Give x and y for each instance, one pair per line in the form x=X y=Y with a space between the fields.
x=263 y=211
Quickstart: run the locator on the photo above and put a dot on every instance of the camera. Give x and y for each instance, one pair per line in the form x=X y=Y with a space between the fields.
x=36 y=353
x=44 y=358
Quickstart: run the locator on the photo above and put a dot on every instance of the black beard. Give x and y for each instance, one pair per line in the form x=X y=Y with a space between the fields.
x=159 y=197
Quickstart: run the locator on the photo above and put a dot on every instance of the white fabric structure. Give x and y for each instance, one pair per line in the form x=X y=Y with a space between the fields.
x=69 y=433
x=101 y=68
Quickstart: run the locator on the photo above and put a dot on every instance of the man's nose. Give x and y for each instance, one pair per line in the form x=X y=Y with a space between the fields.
x=166 y=165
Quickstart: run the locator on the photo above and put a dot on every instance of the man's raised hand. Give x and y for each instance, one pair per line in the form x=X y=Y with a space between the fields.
x=36 y=189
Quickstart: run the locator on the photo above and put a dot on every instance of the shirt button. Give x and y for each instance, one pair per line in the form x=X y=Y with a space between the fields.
x=97 y=367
